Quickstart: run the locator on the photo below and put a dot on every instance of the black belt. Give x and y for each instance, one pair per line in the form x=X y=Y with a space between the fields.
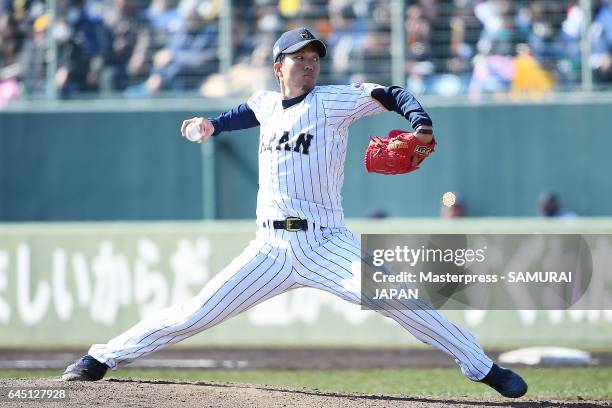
x=291 y=224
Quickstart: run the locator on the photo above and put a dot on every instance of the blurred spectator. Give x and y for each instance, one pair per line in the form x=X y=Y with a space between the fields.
x=451 y=46
x=530 y=79
x=498 y=24
x=454 y=47
x=289 y=8
x=345 y=40
x=549 y=204
x=544 y=40
x=493 y=65
x=10 y=45
x=244 y=35
x=462 y=46
x=83 y=44
x=523 y=21
x=252 y=70
x=377 y=214
x=269 y=25
x=32 y=60
x=569 y=61
x=9 y=89
x=493 y=71
x=375 y=54
x=418 y=48
x=601 y=35
x=241 y=80
x=191 y=52
x=162 y=15
x=124 y=23
x=244 y=78
x=161 y=18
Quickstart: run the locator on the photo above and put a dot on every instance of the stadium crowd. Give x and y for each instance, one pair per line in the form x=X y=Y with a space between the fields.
x=139 y=48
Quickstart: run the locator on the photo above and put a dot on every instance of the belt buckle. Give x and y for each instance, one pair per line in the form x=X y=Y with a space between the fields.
x=289 y=221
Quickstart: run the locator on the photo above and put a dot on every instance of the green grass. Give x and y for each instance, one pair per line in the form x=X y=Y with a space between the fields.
x=548 y=383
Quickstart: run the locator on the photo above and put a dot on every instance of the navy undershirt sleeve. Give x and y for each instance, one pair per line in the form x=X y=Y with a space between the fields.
x=240 y=117
x=399 y=100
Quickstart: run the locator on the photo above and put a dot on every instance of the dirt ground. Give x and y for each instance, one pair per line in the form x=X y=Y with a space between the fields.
x=162 y=394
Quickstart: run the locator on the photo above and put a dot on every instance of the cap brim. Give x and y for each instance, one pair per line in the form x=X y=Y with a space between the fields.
x=317 y=43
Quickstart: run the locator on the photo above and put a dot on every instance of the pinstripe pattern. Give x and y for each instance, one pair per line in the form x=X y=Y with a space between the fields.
x=275 y=262
x=302 y=151
x=326 y=264
x=307 y=185
x=259 y=273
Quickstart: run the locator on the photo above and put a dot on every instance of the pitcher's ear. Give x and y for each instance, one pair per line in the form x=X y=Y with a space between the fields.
x=277 y=69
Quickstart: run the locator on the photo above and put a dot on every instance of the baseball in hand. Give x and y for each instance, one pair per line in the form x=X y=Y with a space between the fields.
x=192 y=132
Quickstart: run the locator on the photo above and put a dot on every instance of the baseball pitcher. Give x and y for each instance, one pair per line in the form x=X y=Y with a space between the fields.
x=301 y=239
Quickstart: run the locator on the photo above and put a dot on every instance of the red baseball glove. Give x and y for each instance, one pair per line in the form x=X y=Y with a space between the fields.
x=394 y=154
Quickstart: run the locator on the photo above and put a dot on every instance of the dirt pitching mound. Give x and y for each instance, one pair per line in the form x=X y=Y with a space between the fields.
x=160 y=394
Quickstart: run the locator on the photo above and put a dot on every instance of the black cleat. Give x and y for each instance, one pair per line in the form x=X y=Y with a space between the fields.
x=506 y=382
x=86 y=368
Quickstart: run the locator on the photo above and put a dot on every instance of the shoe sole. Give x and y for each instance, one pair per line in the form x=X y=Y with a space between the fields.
x=74 y=377
x=518 y=394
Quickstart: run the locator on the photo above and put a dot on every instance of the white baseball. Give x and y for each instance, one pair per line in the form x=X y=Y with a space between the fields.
x=193 y=132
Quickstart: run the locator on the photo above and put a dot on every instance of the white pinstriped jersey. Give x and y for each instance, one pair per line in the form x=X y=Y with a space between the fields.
x=302 y=150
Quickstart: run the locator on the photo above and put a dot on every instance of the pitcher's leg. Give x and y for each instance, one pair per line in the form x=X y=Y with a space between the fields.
x=331 y=264
x=259 y=273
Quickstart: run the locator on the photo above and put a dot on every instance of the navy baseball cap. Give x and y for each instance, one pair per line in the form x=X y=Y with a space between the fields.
x=294 y=40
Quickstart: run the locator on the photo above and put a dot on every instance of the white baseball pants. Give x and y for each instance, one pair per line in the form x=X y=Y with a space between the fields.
x=275 y=262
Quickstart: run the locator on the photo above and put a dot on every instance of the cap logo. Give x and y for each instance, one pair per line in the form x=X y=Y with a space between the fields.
x=307 y=35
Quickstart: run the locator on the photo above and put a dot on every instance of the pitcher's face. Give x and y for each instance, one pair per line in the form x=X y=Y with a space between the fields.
x=300 y=70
